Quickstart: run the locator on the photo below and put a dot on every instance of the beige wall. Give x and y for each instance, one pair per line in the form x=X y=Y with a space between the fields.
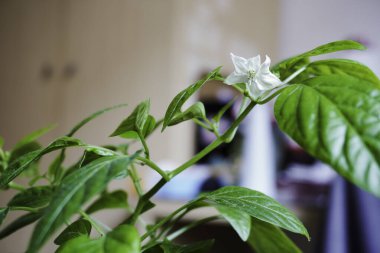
x=121 y=52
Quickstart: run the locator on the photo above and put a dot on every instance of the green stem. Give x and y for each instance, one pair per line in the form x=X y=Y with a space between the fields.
x=136 y=180
x=154 y=166
x=190 y=226
x=16 y=186
x=24 y=208
x=168 y=218
x=143 y=142
x=93 y=222
x=145 y=198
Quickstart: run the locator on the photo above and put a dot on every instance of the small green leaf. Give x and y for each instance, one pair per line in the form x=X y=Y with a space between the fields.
x=33 y=136
x=134 y=122
x=116 y=199
x=24 y=149
x=197 y=110
x=23 y=162
x=326 y=49
x=122 y=239
x=74 y=191
x=91 y=117
x=3 y=214
x=197 y=247
x=34 y=197
x=257 y=205
x=343 y=67
x=176 y=105
x=1 y=142
x=336 y=118
x=239 y=220
x=149 y=126
x=19 y=223
x=266 y=238
x=75 y=229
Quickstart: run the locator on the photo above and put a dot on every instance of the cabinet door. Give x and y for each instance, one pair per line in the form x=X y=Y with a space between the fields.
x=29 y=47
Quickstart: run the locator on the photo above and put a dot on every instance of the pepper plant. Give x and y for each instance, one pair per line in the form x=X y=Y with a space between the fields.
x=329 y=107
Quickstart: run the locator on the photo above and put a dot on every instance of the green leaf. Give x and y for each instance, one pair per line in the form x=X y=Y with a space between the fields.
x=19 y=223
x=1 y=142
x=197 y=110
x=343 y=67
x=3 y=214
x=149 y=126
x=116 y=199
x=257 y=205
x=22 y=163
x=266 y=238
x=33 y=136
x=198 y=247
x=24 y=149
x=75 y=229
x=74 y=191
x=123 y=239
x=326 y=49
x=91 y=117
x=336 y=118
x=82 y=244
x=135 y=122
x=176 y=105
x=34 y=197
x=239 y=220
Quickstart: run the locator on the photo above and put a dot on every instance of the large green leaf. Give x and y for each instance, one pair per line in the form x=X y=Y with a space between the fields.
x=74 y=191
x=257 y=205
x=24 y=149
x=325 y=49
x=34 y=197
x=135 y=122
x=123 y=239
x=345 y=67
x=116 y=199
x=266 y=238
x=176 y=104
x=336 y=118
x=19 y=223
x=239 y=220
x=75 y=229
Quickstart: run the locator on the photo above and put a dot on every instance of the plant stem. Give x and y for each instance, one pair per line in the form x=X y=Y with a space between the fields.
x=136 y=180
x=190 y=226
x=154 y=166
x=92 y=221
x=16 y=186
x=168 y=218
x=24 y=208
x=143 y=142
x=224 y=137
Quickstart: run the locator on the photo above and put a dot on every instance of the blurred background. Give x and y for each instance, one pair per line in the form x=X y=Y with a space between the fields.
x=61 y=60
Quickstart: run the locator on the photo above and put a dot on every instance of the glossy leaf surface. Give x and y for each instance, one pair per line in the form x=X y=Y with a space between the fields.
x=257 y=205
x=336 y=118
x=116 y=199
x=239 y=220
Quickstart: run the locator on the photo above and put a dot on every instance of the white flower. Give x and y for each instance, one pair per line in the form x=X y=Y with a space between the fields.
x=258 y=76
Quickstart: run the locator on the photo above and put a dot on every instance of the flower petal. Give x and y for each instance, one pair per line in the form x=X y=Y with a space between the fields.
x=240 y=63
x=267 y=81
x=254 y=63
x=235 y=78
x=266 y=64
